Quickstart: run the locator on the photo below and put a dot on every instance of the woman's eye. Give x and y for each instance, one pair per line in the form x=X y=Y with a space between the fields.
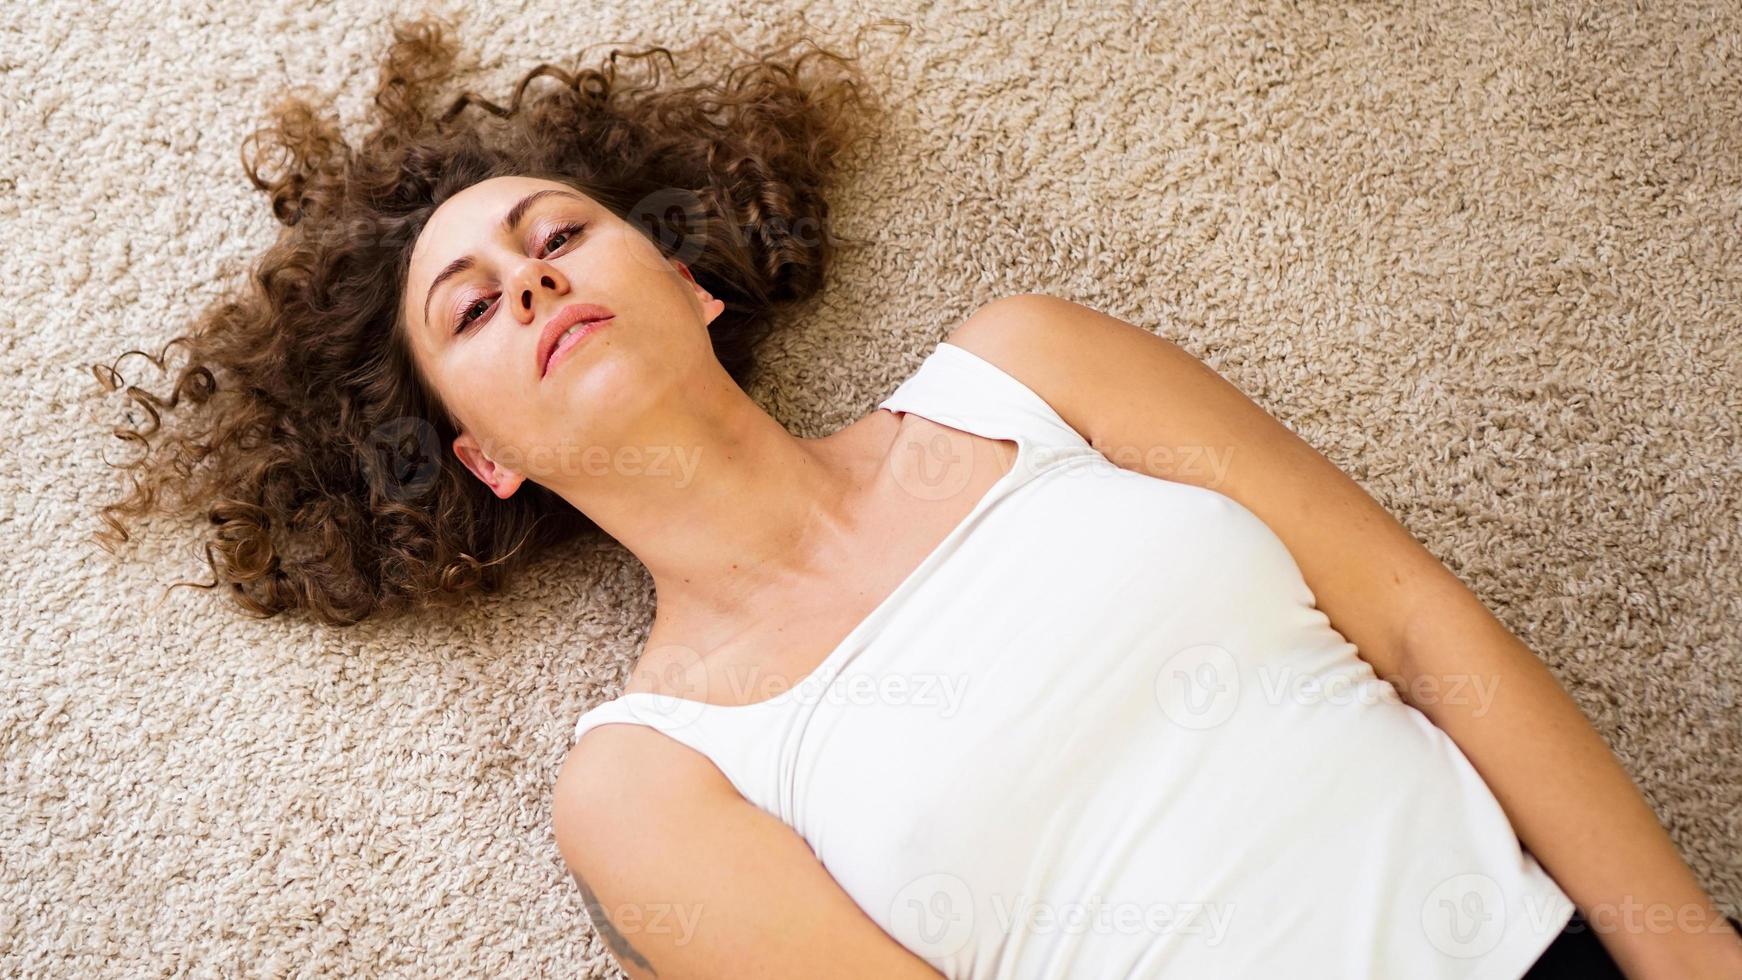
x=562 y=235
x=466 y=317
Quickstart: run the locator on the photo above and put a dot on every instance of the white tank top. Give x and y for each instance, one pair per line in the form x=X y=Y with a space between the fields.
x=1103 y=731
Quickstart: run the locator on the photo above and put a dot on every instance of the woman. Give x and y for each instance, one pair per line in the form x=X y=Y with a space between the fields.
x=1001 y=679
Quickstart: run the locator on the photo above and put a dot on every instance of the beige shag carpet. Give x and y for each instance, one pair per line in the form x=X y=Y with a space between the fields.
x=1487 y=258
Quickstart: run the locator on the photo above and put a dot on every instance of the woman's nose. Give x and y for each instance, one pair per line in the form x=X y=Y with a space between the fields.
x=526 y=301
x=526 y=294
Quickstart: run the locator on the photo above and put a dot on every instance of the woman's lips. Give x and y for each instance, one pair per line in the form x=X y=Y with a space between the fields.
x=572 y=339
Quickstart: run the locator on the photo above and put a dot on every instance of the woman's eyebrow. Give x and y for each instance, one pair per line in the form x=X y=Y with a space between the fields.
x=510 y=223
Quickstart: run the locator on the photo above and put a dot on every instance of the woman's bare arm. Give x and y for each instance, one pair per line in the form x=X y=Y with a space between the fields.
x=1572 y=803
x=684 y=878
x=1150 y=406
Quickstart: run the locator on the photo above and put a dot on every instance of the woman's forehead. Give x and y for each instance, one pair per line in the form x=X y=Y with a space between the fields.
x=474 y=211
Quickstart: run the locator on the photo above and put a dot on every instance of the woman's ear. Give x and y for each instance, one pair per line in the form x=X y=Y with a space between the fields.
x=501 y=480
x=713 y=307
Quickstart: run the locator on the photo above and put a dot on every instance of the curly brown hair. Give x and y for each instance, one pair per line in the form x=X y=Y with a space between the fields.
x=308 y=436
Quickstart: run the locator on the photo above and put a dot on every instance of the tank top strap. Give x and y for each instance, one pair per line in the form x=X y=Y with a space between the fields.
x=743 y=743
x=961 y=389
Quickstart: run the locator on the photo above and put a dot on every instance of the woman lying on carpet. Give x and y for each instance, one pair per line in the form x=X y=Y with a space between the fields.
x=1066 y=660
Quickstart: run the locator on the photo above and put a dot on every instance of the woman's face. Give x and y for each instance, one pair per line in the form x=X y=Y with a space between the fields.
x=480 y=293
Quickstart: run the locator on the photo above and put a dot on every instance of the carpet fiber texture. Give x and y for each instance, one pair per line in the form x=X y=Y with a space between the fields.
x=1487 y=258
